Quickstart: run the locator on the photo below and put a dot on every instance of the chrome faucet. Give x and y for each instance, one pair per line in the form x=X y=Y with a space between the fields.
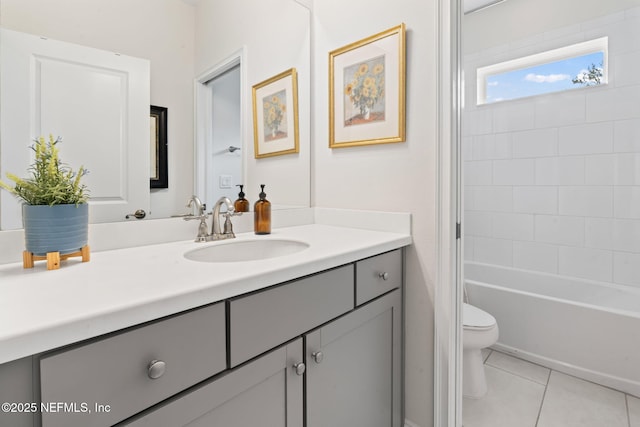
x=227 y=232
x=201 y=215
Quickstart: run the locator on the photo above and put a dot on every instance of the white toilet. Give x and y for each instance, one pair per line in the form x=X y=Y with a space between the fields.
x=480 y=330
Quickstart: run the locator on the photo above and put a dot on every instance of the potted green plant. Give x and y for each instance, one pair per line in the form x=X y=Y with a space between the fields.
x=55 y=212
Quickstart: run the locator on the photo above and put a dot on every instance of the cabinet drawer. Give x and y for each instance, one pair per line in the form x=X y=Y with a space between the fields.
x=115 y=371
x=266 y=319
x=377 y=275
x=264 y=392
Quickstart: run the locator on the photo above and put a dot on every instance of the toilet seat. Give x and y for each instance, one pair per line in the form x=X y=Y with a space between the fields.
x=476 y=319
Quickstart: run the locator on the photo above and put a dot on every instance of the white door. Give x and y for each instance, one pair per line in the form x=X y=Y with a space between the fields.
x=98 y=101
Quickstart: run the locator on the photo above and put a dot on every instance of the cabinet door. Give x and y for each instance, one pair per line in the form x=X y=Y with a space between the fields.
x=357 y=380
x=265 y=392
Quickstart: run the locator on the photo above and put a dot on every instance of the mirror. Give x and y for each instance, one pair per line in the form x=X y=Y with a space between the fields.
x=181 y=39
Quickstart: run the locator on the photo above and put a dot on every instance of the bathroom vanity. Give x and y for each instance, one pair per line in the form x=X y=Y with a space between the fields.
x=315 y=335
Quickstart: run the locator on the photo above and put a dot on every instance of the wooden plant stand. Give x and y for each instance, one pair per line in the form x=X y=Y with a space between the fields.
x=54 y=258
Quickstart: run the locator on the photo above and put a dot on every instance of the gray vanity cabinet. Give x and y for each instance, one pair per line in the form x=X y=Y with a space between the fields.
x=268 y=391
x=324 y=350
x=132 y=370
x=354 y=368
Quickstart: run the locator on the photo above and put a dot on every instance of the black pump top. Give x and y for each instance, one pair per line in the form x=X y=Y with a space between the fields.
x=262 y=194
x=241 y=193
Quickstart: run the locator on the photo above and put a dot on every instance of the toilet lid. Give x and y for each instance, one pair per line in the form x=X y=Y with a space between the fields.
x=473 y=317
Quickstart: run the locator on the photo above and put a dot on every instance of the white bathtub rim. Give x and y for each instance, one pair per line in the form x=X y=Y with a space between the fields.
x=618 y=286
x=616 y=383
x=621 y=288
x=612 y=310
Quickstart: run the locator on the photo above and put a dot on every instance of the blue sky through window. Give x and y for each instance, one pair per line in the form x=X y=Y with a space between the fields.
x=550 y=77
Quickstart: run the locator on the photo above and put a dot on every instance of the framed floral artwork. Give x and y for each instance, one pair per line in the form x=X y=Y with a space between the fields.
x=275 y=115
x=367 y=90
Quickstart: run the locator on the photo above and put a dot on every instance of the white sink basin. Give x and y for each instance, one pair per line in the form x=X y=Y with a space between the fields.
x=245 y=250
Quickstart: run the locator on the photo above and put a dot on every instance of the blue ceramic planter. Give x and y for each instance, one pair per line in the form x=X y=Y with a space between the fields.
x=57 y=228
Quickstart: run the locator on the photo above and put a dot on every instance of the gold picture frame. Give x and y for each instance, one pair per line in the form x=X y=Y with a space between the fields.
x=367 y=90
x=275 y=115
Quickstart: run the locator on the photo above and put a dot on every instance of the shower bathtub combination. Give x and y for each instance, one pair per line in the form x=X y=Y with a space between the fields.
x=583 y=328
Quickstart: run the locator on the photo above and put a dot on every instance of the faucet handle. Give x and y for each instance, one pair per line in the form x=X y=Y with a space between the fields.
x=228 y=225
x=199 y=205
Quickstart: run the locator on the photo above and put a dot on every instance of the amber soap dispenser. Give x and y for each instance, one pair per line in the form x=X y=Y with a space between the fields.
x=262 y=214
x=241 y=204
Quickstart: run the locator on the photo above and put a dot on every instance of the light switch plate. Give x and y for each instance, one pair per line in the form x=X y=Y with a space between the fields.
x=225 y=181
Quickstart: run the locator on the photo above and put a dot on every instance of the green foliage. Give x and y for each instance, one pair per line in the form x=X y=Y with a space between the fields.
x=589 y=77
x=51 y=182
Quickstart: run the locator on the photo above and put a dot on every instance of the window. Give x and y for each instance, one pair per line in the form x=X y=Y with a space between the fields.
x=570 y=67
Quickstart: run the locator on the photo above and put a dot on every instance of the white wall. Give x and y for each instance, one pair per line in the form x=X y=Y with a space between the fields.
x=276 y=36
x=553 y=181
x=158 y=30
x=397 y=177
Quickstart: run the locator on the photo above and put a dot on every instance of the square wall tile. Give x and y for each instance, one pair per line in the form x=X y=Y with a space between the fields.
x=613 y=104
x=594 y=138
x=468 y=248
x=512 y=226
x=467 y=148
x=468 y=196
x=627 y=202
x=624 y=66
x=535 y=200
x=627 y=169
x=560 y=109
x=626 y=136
x=600 y=169
x=622 y=235
x=626 y=235
x=535 y=256
x=599 y=233
x=626 y=268
x=478 y=172
x=514 y=172
x=493 y=251
x=477 y=122
x=493 y=199
x=477 y=223
x=586 y=201
x=535 y=143
x=513 y=116
x=492 y=146
x=587 y=263
x=562 y=230
x=622 y=32
x=568 y=170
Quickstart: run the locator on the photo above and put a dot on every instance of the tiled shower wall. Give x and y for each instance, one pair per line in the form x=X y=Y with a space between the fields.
x=552 y=182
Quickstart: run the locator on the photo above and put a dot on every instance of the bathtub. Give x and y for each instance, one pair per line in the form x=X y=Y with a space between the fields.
x=587 y=329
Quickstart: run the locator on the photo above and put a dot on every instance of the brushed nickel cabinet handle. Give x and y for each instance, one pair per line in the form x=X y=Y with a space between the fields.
x=299 y=368
x=156 y=369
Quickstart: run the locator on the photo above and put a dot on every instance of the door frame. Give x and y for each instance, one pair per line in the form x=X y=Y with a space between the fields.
x=203 y=108
x=448 y=283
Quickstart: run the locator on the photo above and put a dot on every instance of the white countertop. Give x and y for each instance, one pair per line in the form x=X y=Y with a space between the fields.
x=41 y=310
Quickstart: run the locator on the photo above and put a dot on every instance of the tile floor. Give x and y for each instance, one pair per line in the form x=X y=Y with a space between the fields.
x=523 y=394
